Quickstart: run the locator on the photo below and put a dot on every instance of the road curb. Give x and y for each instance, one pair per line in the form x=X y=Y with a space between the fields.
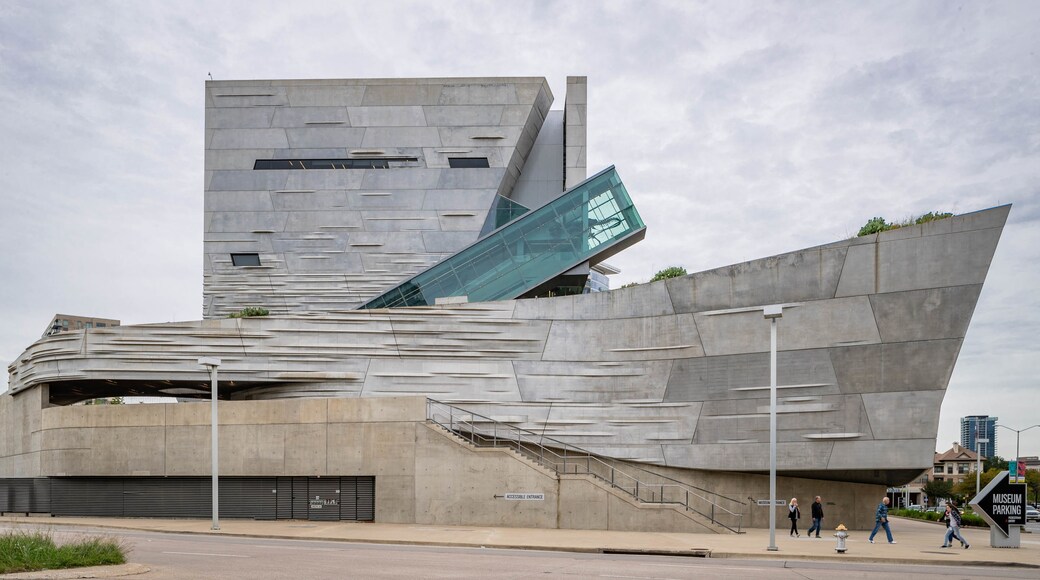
x=115 y=571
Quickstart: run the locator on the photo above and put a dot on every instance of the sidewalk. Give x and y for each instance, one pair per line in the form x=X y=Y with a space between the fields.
x=917 y=541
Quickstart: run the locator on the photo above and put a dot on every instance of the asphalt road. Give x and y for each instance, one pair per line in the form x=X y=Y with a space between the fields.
x=184 y=556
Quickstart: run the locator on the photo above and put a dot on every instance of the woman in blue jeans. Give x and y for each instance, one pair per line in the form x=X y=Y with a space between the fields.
x=881 y=520
x=953 y=519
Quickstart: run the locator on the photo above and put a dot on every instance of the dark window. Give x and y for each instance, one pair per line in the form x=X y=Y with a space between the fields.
x=357 y=163
x=245 y=259
x=467 y=162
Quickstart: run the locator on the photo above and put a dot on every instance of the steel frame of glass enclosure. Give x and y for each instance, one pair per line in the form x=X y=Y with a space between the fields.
x=580 y=225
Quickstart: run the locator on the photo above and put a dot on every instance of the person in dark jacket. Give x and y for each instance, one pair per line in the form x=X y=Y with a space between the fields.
x=794 y=514
x=953 y=521
x=881 y=521
x=817 y=517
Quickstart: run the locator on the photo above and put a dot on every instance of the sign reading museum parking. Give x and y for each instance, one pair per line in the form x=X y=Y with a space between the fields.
x=523 y=496
x=1002 y=504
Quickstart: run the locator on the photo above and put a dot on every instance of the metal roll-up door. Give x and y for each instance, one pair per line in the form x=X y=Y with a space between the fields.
x=366 y=499
x=40 y=500
x=348 y=493
x=167 y=497
x=87 y=496
x=283 y=499
x=323 y=498
x=299 y=498
x=248 y=497
x=25 y=495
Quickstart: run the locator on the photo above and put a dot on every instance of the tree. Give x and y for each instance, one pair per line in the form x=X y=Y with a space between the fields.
x=966 y=489
x=938 y=489
x=873 y=226
x=670 y=272
x=1033 y=484
x=996 y=462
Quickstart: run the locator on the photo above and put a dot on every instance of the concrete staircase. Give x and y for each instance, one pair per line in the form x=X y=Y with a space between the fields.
x=644 y=491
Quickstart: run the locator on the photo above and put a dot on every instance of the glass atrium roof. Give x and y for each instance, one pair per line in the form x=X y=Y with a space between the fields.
x=588 y=222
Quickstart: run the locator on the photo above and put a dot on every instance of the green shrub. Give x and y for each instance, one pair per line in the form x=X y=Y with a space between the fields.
x=249 y=312
x=670 y=272
x=22 y=551
x=878 y=224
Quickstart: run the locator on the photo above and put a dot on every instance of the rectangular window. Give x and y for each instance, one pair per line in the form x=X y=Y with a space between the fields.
x=101 y=325
x=355 y=163
x=938 y=469
x=468 y=162
x=245 y=259
x=949 y=469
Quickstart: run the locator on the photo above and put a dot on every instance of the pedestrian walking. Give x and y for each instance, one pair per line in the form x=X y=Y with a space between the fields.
x=817 y=517
x=881 y=521
x=953 y=521
x=794 y=514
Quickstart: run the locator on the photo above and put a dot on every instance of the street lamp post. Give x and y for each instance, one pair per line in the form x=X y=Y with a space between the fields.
x=978 y=462
x=772 y=313
x=212 y=364
x=1018 y=436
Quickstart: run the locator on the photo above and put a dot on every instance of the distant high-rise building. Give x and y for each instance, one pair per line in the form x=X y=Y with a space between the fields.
x=981 y=427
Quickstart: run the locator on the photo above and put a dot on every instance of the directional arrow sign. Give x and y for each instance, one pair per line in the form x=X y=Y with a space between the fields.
x=1002 y=504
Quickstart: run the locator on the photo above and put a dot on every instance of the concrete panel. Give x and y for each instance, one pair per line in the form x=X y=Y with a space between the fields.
x=592 y=382
x=400 y=199
x=248 y=139
x=392 y=179
x=324 y=96
x=650 y=338
x=943 y=260
x=388 y=117
x=393 y=409
x=383 y=448
x=325 y=179
x=925 y=314
x=895 y=367
x=231 y=201
x=247 y=221
x=402 y=94
x=633 y=302
x=859 y=274
x=465 y=115
x=247 y=180
x=479 y=94
x=810 y=274
x=235 y=159
x=303 y=116
x=306 y=449
x=916 y=454
x=490 y=178
x=749 y=456
x=309 y=200
x=447 y=242
x=501 y=136
x=458 y=199
x=817 y=324
x=461 y=380
x=904 y=415
x=239 y=118
x=801 y=372
x=401 y=137
x=395 y=499
x=320 y=136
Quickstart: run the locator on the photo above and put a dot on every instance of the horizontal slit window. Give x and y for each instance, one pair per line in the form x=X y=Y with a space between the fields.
x=245 y=259
x=468 y=162
x=353 y=163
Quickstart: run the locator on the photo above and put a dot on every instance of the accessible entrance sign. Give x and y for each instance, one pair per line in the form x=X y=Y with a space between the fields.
x=1003 y=505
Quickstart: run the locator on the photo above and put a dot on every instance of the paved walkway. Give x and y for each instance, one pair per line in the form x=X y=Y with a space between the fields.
x=917 y=541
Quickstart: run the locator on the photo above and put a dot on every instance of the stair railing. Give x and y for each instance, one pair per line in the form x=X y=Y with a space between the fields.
x=564 y=458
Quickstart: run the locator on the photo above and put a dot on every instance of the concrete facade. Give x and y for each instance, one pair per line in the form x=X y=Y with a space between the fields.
x=329 y=240
x=423 y=474
x=671 y=375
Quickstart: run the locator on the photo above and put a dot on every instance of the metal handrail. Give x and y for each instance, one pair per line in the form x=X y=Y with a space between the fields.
x=566 y=458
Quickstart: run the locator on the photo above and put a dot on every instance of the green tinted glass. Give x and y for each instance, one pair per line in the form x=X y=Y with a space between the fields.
x=579 y=225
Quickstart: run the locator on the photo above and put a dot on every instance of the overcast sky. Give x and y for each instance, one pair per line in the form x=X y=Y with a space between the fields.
x=742 y=130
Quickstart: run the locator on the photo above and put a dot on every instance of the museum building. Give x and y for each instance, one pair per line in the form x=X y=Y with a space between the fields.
x=431 y=255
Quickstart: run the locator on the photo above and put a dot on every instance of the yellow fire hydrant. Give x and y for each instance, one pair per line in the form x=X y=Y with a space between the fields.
x=841 y=535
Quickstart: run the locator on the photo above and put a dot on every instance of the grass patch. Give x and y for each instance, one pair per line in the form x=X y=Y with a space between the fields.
x=22 y=551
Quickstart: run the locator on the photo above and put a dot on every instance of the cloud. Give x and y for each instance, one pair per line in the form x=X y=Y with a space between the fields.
x=742 y=130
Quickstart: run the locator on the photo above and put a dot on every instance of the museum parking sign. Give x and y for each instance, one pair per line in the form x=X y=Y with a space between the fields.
x=1002 y=503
